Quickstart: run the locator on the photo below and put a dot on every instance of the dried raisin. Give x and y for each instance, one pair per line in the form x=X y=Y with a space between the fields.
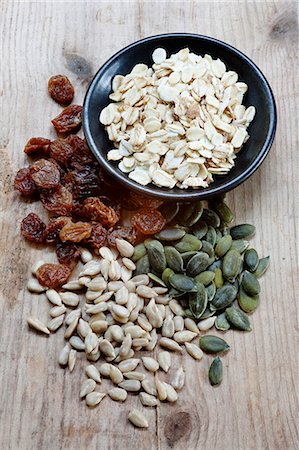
x=148 y=221
x=53 y=275
x=24 y=183
x=98 y=236
x=85 y=182
x=67 y=253
x=45 y=174
x=61 y=89
x=75 y=232
x=121 y=232
x=33 y=228
x=37 y=144
x=81 y=153
x=53 y=229
x=61 y=151
x=58 y=200
x=99 y=212
x=69 y=120
x=145 y=202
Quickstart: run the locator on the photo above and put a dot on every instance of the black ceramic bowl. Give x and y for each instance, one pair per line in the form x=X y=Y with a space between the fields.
x=261 y=130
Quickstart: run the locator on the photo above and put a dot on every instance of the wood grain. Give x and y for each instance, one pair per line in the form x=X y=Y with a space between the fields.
x=256 y=407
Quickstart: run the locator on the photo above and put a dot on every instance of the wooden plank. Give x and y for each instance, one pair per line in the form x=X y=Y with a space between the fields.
x=256 y=406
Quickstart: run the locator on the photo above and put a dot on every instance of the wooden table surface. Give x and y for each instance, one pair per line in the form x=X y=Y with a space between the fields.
x=256 y=405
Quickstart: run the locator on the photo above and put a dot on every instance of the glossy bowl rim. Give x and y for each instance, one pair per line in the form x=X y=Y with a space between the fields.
x=185 y=195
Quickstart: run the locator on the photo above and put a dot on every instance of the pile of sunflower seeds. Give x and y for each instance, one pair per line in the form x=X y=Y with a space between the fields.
x=178 y=122
x=155 y=297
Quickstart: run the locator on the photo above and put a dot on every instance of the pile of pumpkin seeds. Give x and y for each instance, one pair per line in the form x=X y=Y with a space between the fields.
x=208 y=268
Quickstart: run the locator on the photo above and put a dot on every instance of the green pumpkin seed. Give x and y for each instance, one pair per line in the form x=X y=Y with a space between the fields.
x=188 y=313
x=156 y=256
x=174 y=259
x=224 y=297
x=251 y=259
x=225 y=231
x=250 y=283
x=223 y=245
x=216 y=372
x=170 y=234
x=213 y=344
x=195 y=216
x=207 y=313
x=205 y=277
x=240 y=245
x=142 y=265
x=152 y=243
x=231 y=265
x=187 y=256
x=139 y=251
x=244 y=231
x=208 y=248
x=185 y=212
x=198 y=263
x=198 y=301
x=211 y=291
x=215 y=265
x=156 y=279
x=211 y=218
x=200 y=229
x=169 y=211
x=223 y=212
x=188 y=243
x=218 y=280
x=237 y=318
x=217 y=199
x=246 y=302
x=174 y=293
x=221 y=322
x=181 y=283
x=166 y=275
x=262 y=266
x=211 y=235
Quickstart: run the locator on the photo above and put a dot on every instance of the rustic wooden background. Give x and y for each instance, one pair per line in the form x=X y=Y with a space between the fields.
x=256 y=405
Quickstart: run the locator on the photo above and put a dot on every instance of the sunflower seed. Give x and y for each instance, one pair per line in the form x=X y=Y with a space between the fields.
x=145 y=291
x=87 y=387
x=69 y=298
x=172 y=395
x=57 y=311
x=206 y=324
x=72 y=359
x=94 y=398
x=150 y=364
x=118 y=394
x=72 y=315
x=148 y=400
x=164 y=360
x=105 y=369
x=184 y=336
x=170 y=344
x=85 y=255
x=105 y=346
x=134 y=375
x=190 y=324
x=130 y=385
x=64 y=355
x=115 y=375
x=178 y=323
x=53 y=297
x=177 y=379
x=74 y=285
x=34 y=286
x=137 y=419
x=128 y=365
x=161 y=389
x=194 y=350
x=125 y=248
x=36 y=266
x=55 y=323
x=83 y=328
x=92 y=372
x=37 y=325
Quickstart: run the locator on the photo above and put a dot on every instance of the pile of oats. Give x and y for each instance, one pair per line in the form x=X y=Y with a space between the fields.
x=178 y=122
